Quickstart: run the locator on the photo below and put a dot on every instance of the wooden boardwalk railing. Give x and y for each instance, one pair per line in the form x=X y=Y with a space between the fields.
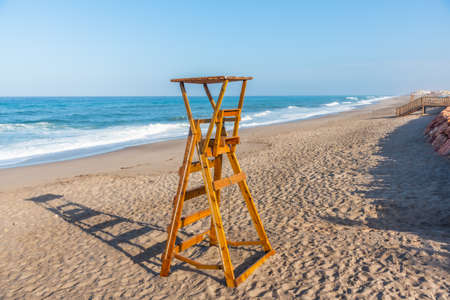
x=421 y=104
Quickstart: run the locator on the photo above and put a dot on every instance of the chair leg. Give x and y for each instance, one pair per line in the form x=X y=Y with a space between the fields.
x=178 y=205
x=217 y=176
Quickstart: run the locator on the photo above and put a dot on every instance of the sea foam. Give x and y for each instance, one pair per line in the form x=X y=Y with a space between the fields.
x=98 y=141
x=71 y=128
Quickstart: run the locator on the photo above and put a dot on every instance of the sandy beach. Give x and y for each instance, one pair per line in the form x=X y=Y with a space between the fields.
x=356 y=205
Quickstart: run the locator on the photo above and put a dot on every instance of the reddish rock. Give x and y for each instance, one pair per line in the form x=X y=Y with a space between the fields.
x=443 y=127
x=447 y=132
x=433 y=131
x=436 y=122
x=438 y=132
x=445 y=148
x=439 y=141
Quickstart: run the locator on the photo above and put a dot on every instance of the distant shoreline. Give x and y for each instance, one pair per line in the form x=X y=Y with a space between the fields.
x=159 y=157
x=56 y=136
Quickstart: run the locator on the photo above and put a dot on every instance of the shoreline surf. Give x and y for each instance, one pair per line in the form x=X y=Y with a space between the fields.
x=164 y=157
x=71 y=143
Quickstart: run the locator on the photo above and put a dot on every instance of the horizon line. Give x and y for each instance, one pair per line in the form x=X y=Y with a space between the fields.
x=293 y=95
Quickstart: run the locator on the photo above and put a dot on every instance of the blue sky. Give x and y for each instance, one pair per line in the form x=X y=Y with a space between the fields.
x=115 y=48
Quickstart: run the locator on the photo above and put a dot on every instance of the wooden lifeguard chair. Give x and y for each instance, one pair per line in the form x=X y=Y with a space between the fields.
x=210 y=153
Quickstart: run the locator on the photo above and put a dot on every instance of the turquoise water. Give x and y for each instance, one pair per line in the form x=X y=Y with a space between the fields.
x=36 y=130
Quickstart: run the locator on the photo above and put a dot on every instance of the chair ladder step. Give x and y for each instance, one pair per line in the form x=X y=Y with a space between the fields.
x=185 y=221
x=232 y=140
x=224 y=182
x=191 y=242
x=195 y=193
x=196 y=167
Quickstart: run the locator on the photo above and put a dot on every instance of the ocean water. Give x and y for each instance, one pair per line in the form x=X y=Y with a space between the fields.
x=37 y=130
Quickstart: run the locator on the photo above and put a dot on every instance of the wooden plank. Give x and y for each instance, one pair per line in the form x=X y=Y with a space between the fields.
x=195 y=167
x=224 y=182
x=188 y=108
x=214 y=117
x=185 y=221
x=232 y=140
x=231 y=112
x=217 y=176
x=194 y=193
x=243 y=243
x=208 y=93
x=191 y=143
x=241 y=96
x=197 y=264
x=230 y=119
x=190 y=242
x=211 y=79
x=205 y=121
x=219 y=127
x=240 y=106
x=178 y=207
x=250 y=270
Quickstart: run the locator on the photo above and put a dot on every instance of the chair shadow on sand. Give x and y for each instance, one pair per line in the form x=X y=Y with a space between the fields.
x=78 y=215
x=125 y=238
x=410 y=189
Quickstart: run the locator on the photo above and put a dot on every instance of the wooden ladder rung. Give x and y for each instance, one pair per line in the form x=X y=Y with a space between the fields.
x=190 y=242
x=196 y=167
x=206 y=121
x=232 y=140
x=224 y=182
x=195 y=193
x=253 y=267
x=197 y=264
x=192 y=193
x=185 y=221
